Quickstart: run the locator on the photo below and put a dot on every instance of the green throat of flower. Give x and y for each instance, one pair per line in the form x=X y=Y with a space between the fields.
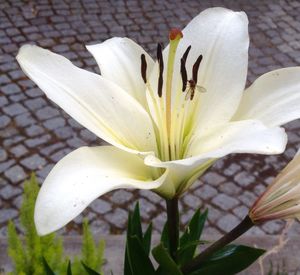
x=174 y=116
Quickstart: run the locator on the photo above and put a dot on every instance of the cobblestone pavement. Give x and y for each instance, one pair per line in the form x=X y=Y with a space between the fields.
x=35 y=133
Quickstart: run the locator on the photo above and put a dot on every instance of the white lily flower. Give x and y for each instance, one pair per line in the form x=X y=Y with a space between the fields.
x=170 y=119
x=281 y=200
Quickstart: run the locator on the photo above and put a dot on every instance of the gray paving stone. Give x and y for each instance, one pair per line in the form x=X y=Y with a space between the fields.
x=33 y=162
x=75 y=142
x=118 y=218
x=54 y=123
x=18 y=150
x=60 y=154
x=11 y=88
x=35 y=104
x=213 y=178
x=3 y=155
x=24 y=120
x=64 y=132
x=228 y=222
x=7 y=214
x=244 y=179
x=34 y=142
x=47 y=112
x=3 y=101
x=15 y=174
x=248 y=198
x=206 y=191
x=14 y=109
x=230 y=189
x=4 y=121
x=225 y=202
x=100 y=206
x=43 y=173
x=121 y=196
x=146 y=208
x=273 y=227
x=34 y=130
x=5 y=165
x=51 y=148
x=9 y=192
x=192 y=201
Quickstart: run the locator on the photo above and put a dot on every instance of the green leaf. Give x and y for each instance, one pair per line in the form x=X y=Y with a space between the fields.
x=138 y=260
x=136 y=227
x=167 y=265
x=127 y=269
x=69 y=270
x=47 y=268
x=164 y=239
x=89 y=270
x=147 y=239
x=229 y=260
x=189 y=239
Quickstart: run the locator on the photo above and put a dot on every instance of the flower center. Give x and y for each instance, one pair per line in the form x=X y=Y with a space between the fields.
x=172 y=115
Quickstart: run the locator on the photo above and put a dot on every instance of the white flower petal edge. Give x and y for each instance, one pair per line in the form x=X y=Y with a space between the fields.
x=84 y=175
x=247 y=136
x=221 y=36
x=98 y=104
x=274 y=98
x=119 y=60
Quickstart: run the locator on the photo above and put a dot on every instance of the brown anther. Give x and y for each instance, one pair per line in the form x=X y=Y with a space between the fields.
x=144 y=68
x=196 y=68
x=183 y=74
x=175 y=34
x=183 y=68
x=185 y=55
x=161 y=69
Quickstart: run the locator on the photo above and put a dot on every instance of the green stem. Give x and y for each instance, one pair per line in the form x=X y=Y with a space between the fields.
x=173 y=226
x=240 y=229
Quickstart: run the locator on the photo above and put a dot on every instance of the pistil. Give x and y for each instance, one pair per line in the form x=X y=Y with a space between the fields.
x=175 y=35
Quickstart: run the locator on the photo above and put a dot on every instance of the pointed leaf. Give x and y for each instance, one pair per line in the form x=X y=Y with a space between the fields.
x=231 y=258
x=89 y=270
x=69 y=270
x=147 y=239
x=136 y=227
x=191 y=236
x=138 y=259
x=127 y=269
x=167 y=264
x=47 y=268
x=164 y=239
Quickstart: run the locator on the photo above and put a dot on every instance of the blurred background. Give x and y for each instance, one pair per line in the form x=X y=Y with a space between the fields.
x=35 y=133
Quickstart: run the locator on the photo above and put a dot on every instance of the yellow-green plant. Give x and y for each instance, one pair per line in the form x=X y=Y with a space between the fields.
x=30 y=253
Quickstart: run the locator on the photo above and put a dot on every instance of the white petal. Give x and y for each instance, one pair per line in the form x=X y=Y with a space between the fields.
x=221 y=36
x=274 y=98
x=247 y=136
x=119 y=60
x=98 y=104
x=234 y=137
x=84 y=175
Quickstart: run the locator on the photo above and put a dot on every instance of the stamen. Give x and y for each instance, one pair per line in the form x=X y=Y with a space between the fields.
x=196 y=68
x=185 y=55
x=183 y=69
x=144 y=68
x=161 y=69
x=183 y=74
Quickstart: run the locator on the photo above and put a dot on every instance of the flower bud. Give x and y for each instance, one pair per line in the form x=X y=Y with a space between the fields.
x=281 y=200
